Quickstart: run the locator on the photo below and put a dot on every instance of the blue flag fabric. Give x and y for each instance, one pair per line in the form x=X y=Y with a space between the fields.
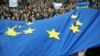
x=57 y=36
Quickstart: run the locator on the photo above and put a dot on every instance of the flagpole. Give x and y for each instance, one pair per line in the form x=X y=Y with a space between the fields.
x=9 y=9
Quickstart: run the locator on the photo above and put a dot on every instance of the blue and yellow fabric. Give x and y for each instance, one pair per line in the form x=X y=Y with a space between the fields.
x=82 y=5
x=57 y=36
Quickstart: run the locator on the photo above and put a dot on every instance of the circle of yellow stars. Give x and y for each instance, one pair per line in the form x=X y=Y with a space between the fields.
x=75 y=28
x=12 y=32
x=52 y=33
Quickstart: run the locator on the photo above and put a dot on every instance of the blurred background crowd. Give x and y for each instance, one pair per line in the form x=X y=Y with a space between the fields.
x=34 y=10
x=29 y=10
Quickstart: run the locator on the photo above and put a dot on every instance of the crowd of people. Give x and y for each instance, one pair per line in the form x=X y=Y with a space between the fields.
x=34 y=11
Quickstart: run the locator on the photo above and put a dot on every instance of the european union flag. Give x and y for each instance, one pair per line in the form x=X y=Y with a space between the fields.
x=57 y=36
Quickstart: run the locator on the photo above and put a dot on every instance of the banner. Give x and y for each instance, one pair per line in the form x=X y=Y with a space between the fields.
x=57 y=5
x=13 y=3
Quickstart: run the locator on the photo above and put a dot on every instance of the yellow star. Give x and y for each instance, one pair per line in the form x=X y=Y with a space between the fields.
x=78 y=23
x=11 y=32
x=29 y=23
x=53 y=34
x=29 y=31
x=74 y=16
x=74 y=29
